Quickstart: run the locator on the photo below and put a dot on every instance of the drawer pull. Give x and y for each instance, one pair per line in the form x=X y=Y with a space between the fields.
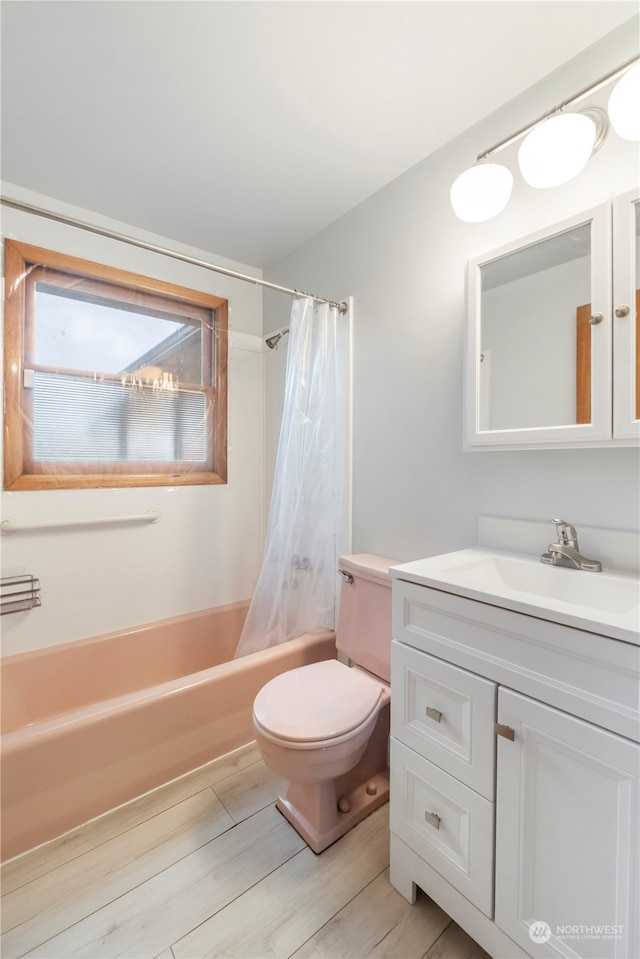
x=433 y=819
x=434 y=714
x=506 y=731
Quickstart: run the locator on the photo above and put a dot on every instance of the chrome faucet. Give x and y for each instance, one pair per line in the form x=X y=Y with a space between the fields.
x=566 y=553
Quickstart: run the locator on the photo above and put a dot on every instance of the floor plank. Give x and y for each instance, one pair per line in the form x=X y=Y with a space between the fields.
x=308 y=891
x=378 y=922
x=247 y=791
x=454 y=943
x=50 y=904
x=147 y=919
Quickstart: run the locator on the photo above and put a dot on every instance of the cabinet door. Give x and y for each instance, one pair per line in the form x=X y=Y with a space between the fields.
x=566 y=834
x=626 y=318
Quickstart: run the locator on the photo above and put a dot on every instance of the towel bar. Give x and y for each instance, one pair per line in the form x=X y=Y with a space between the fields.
x=15 y=526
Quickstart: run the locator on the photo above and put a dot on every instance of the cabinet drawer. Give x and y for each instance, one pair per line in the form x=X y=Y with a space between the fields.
x=447 y=824
x=445 y=714
x=585 y=674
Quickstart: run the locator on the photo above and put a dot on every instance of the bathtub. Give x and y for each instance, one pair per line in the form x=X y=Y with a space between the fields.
x=91 y=724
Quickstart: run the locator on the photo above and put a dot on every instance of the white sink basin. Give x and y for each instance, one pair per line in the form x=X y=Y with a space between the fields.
x=594 y=590
x=607 y=602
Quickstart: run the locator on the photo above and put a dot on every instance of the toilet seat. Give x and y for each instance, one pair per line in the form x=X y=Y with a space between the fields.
x=326 y=701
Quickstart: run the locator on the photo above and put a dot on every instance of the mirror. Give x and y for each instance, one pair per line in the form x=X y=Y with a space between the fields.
x=553 y=334
x=535 y=334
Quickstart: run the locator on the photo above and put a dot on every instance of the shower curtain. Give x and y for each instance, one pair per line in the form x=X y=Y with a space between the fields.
x=296 y=589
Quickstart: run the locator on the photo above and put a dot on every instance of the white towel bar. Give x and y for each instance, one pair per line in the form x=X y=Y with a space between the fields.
x=12 y=526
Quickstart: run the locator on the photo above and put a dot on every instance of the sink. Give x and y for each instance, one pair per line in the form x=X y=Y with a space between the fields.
x=612 y=594
x=607 y=603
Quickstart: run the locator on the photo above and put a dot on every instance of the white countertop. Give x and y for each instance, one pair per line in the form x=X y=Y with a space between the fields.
x=606 y=603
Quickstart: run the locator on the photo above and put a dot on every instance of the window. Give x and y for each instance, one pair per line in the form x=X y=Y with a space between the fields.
x=111 y=379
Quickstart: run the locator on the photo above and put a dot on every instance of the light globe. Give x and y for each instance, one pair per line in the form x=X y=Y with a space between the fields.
x=624 y=105
x=481 y=192
x=557 y=150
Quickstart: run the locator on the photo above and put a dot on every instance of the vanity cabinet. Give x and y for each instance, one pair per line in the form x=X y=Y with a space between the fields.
x=515 y=775
x=553 y=347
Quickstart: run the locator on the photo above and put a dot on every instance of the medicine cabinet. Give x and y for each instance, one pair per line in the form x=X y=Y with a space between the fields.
x=553 y=338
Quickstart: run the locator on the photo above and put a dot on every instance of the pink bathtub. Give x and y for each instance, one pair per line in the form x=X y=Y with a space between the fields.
x=89 y=725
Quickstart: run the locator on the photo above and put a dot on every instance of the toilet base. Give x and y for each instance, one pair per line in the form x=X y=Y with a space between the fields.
x=312 y=808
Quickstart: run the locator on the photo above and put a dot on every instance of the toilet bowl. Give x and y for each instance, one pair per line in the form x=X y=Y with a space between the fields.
x=315 y=724
x=324 y=728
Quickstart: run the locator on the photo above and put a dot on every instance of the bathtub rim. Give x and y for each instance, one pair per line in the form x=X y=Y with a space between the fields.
x=128 y=702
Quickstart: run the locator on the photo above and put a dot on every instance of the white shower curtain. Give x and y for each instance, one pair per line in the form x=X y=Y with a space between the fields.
x=296 y=588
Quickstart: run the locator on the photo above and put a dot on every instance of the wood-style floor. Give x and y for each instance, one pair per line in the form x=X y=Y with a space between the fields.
x=206 y=866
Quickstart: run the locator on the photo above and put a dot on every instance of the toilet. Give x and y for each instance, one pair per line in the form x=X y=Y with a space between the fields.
x=325 y=727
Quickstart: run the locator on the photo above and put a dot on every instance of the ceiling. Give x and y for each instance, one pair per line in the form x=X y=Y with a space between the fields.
x=242 y=128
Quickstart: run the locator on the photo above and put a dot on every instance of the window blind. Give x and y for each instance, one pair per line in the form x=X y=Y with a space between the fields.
x=79 y=419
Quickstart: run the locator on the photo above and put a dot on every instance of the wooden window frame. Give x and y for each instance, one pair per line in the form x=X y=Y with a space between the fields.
x=23 y=264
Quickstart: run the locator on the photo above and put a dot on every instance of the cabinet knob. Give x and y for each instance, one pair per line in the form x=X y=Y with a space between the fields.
x=622 y=310
x=434 y=714
x=596 y=318
x=433 y=819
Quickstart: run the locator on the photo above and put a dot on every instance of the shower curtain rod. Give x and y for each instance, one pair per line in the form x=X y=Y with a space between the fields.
x=153 y=248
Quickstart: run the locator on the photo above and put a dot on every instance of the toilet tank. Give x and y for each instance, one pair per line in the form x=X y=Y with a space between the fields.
x=363 y=632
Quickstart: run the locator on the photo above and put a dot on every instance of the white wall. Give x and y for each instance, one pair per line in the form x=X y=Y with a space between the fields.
x=401 y=254
x=207 y=548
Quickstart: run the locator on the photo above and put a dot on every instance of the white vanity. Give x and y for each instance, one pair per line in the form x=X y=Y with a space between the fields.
x=515 y=749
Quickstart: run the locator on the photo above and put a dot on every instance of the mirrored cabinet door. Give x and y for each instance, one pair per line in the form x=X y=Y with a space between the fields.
x=626 y=315
x=539 y=362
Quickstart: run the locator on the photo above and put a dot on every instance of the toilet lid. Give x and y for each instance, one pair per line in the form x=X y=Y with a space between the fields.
x=320 y=701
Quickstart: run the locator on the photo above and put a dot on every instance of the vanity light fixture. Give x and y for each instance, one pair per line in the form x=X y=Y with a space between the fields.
x=556 y=148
